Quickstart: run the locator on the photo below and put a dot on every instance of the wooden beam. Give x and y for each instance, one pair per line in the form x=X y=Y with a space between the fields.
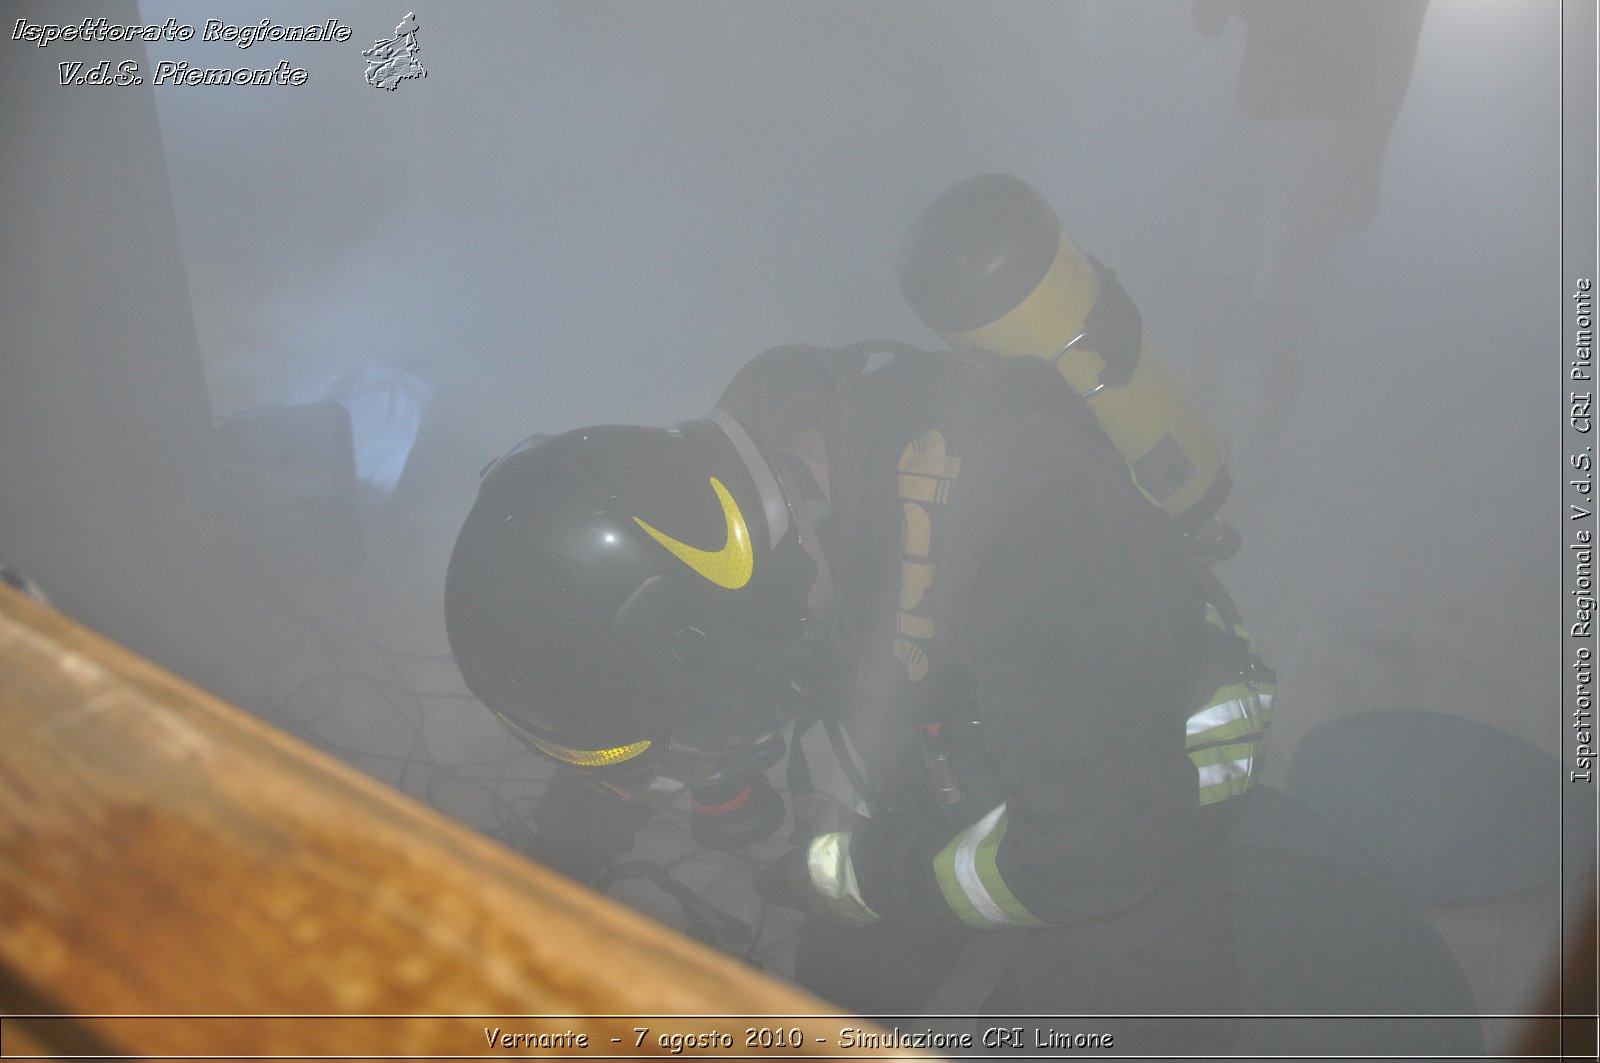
x=163 y=853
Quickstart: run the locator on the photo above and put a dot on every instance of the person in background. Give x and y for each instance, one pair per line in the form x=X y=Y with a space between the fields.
x=1299 y=162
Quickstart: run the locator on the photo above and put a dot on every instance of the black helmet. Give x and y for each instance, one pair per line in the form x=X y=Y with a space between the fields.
x=621 y=595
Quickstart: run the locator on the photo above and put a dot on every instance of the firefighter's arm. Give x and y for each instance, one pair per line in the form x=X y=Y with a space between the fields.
x=912 y=871
x=880 y=871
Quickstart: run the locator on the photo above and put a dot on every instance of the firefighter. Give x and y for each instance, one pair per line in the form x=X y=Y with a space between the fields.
x=1050 y=709
x=946 y=559
x=1296 y=165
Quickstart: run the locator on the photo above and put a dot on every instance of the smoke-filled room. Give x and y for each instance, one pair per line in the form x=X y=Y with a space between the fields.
x=814 y=528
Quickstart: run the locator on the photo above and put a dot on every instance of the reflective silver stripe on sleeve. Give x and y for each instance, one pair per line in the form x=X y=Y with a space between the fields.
x=968 y=871
x=1226 y=712
x=966 y=868
x=1226 y=739
x=1212 y=774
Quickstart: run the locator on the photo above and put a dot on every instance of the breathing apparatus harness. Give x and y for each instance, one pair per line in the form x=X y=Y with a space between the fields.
x=962 y=778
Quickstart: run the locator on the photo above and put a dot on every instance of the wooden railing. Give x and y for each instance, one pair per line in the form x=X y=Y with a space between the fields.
x=178 y=878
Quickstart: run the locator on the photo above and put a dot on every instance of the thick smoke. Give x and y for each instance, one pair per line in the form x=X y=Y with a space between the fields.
x=596 y=211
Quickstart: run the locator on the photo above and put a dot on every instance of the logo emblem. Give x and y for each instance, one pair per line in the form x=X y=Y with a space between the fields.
x=729 y=567
x=392 y=61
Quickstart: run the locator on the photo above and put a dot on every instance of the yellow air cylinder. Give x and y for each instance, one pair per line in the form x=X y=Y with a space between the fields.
x=988 y=266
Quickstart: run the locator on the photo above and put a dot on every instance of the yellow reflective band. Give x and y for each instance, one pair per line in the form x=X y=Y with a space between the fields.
x=1226 y=771
x=583 y=758
x=969 y=877
x=926 y=454
x=590 y=758
x=728 y=567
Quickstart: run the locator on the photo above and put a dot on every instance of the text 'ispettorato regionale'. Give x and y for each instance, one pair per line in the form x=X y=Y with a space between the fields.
x=126 y=72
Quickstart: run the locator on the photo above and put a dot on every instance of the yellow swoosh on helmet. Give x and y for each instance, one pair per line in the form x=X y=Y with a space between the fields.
x=729 y=567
